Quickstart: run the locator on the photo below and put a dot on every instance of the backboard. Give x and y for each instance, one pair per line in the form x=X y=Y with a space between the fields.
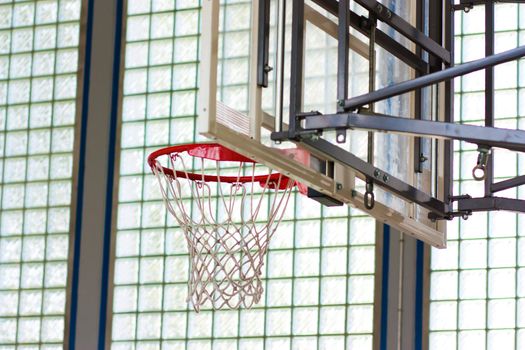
x=239 y=106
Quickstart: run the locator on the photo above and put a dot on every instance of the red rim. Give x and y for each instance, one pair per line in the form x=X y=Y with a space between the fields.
x=214 y=151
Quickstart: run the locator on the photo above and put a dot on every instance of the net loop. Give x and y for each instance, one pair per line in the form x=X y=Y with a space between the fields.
x=227 y=221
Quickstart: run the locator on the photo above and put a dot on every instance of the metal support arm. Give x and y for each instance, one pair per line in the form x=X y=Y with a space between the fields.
x=487 y=136
x=434 y=78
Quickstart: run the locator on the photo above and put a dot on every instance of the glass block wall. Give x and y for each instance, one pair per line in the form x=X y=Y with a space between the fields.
x=318 y=278
x=38 y=76
x=478 y=282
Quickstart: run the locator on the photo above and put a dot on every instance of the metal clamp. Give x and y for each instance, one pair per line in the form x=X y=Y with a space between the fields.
x=479 y=171
x=369 y=199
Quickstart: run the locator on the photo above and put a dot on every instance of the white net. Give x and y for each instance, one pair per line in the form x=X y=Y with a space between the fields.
x=228 y=222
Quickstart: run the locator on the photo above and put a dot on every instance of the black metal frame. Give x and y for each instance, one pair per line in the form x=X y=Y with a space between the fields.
x=435 y=68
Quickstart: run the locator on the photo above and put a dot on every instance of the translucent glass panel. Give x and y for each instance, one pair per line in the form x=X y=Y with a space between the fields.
x=38 y=76
x=318 y=276
x=478 y=282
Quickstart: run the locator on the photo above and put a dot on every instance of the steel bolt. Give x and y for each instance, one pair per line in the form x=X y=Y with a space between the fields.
x=385 y=178
x=377 y=173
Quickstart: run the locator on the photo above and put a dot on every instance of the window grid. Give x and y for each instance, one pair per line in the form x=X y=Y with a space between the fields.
x=477 y=283
x=311 y=299
x=37 y=110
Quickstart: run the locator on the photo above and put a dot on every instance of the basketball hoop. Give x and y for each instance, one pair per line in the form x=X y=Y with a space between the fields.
x=219 y=217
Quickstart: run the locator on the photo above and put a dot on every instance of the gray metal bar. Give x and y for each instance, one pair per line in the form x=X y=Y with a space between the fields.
x=405 y=28
x=510 y=183
x=343 y=36
x=489 y=91
x=263 y=43
x=378 y=176
x=495 y=137
x=382 y=39
x=447 y=26
x=296 y=63
x=491 y=203
x=434 y=78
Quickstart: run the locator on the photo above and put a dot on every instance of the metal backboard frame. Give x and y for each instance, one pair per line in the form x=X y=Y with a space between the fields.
x=329 y=176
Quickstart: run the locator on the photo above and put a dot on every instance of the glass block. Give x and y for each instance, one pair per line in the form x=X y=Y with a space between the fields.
x=35 y=195
x=7 y=330
x=59 y=193
x=43 y=63
x=46 y=11
x=159 y=107
x=151 y=270
x=30 y=302
x=150 y=298
x=45 y=37
x=173 y=325
x=472 y=314
x=10 y=249
x=471 y=340
x=161 y=25
x=152 y=242
x=54 y=302
x=16 y=143
x=138 y=28
x=200 y=325
x=175 y=297
x=251 y=323
x=359 y=342
x=58 y=220
x=473 y=254
x=28 y=330
x=501 y=313
x=305 y=321
x=362 y=260
x=502 y=252
x=23 y=14
x=443 y=315
x=226 y=324
x=123 y=327
x=64 y=113
x=61 y=166
x=42 y=89
x=186 y=23
x=442 y=340
x=278 y=322
x=15 y=170
x=11 y=223
x=67 y=61
x=69 y=10
x=279 y=263
x=34 y=248
x=22 y=40
x=65 y=87
x=279 y=292
x=185 y=49
x=6 y=16
x=503 y=339
x=32 y=275
x=332 y=342
x=35 y=221
x=20 y=66
x=56 y=274
x=68 y=35
x=132 y=135
x=41 y=115
x=473 y=284
x=306 y=262
x=148 y=326
x=306 y=291
x=277 y=343
x=177 y=269
x=126 y=271
x=13 y=197
x=502 y=283
x=157 y=133
x=444 y=285
x=360 y=289
x=133 y=108
x=332 y=320
x=131 y=162
x=360 y=319
x=57 y=247
x=184 y=76
x=52 y=329
x=8 y=303
x=62 y=140
x=334 y=261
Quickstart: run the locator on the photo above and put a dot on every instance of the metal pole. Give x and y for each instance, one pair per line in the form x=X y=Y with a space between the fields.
x=434 y=78
x=489 y=90
x=296 y=76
